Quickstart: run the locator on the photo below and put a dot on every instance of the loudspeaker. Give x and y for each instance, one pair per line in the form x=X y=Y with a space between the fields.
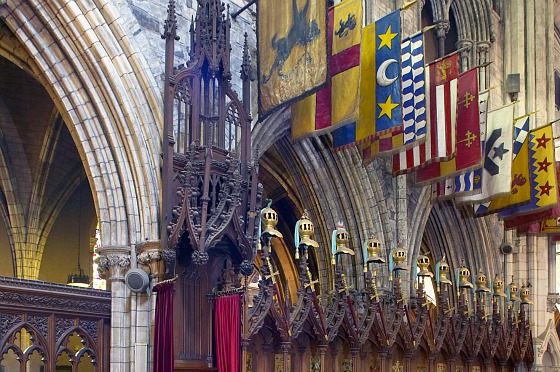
x=137 y=280
x=506 y=248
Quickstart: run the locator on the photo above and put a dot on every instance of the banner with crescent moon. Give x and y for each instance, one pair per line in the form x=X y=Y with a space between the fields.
x=337 y=104
x=414 y=112
x=292 y=51
x=380 y=109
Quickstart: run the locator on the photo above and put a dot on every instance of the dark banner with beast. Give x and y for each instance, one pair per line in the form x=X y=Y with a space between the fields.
x=292 y=51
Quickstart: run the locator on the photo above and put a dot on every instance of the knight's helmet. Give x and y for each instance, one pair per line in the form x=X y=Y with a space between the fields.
x=524 y=295
x=423 y=263
x=442 y=272
x=302 y=235
x=481 y=282
x=371 y=250
x=463 y=277
x=399 y=259
x=498 y=287
x=339 y=244
x=512 y=292
x=269 y=219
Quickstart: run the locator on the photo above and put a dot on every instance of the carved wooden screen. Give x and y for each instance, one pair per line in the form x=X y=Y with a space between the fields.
x=49 y=327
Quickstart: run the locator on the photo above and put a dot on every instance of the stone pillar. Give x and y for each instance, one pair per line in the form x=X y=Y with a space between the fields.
x=483 y=53
x=267 y=351
x=150 y=256
x=301 y=350
x=442 y=27
x=465 y=50
x=468 y=363
x=450 y=364
x=408 y=361
x=488 y=365
x=115 y=260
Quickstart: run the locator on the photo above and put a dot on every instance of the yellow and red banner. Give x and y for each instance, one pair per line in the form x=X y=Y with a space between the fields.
x=292 y=51
x=544 y=188
x=380 y=97
x=336 y=104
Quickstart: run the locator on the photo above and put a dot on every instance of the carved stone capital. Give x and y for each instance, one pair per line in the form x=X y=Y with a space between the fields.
x=442 y=27
x=465 y=46
x=150 y=255
x=483 y=47
x=551 y=301
x=114 y=260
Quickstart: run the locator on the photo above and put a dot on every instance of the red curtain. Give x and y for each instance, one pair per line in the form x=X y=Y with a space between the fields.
x=163 y=328
x=227 y=323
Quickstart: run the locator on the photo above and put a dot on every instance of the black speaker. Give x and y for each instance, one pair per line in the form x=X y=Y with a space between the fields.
x=137 y=280
x=506 y=248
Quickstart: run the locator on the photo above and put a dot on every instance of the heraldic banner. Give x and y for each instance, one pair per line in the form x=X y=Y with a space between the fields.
x=292 y=51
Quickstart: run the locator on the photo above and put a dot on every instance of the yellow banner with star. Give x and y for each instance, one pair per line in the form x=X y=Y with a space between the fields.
x=292 y=51
x=542 y=172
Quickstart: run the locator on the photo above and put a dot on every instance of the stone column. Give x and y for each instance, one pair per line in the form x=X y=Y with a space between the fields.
x=385 y=360
x=301 y=350
x=468 y=363
x=450 y=364
x=483 y=52
x=465 y=50
x=115 y=260
x=432 y=363
x=552 y=267
x=442 y=27
x=150 y=256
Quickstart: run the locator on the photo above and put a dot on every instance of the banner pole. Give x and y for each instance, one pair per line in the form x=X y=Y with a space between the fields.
x=242 y=9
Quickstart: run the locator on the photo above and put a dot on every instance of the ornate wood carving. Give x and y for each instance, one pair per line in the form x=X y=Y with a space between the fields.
x=388 y=321
x=49 y=313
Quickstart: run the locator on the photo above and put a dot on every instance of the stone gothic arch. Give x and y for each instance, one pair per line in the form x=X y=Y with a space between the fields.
x=109 y=101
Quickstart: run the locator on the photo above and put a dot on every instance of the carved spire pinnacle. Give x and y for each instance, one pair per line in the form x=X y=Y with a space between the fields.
x=170 y=26
x=246 y=64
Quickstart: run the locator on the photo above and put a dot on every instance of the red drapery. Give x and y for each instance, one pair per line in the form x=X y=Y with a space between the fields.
x=227 y=323
x=163 y=328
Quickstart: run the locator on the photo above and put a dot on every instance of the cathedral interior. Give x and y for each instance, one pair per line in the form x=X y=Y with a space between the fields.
x=131 y=143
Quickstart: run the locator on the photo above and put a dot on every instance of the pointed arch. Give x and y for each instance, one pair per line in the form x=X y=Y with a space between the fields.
x=110 y=103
